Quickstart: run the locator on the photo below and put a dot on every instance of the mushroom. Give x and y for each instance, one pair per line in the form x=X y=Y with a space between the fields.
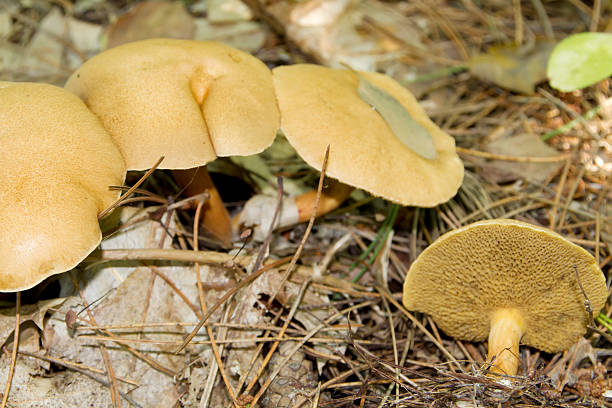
x=508 y=280
x=189 y=101
x=321 y=106
x=55 y=170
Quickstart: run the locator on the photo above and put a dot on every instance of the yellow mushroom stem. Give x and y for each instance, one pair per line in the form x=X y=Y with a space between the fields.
x=333 y=194
x=507 y=328
x=215 y=219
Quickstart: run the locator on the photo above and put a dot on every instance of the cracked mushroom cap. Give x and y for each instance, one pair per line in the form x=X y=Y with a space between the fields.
x=189 y=101
x=55 y=169
x=469 y=273
x=321 y=106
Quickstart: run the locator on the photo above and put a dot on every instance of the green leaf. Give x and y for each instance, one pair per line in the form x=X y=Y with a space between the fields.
x=405 y=128
x=580 y=60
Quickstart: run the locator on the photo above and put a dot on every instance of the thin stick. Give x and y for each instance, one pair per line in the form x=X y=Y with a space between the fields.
x=112 y=380
x=553 y=214
x=418 y=324
x=9 y=380
x=296 y=304
x=520 y=159
x=595 y=16
x=250 y=278
x=72 y=365
x=135 y=352
x=518 y=22
x=570 y=197
x=587 y=303
x=297 y=254
x=132 y=189
x=218 y=363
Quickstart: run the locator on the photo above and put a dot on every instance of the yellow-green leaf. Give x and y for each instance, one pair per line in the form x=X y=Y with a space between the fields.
x=402 y=124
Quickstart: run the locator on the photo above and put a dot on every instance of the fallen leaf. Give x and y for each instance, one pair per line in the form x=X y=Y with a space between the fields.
x=35 y=313
x=314 y=13
x=248 y=36
x=580 y=60
x=409 y=131
x=501 y=171
x=515 y=68
x=227 y=11
x=151 y=19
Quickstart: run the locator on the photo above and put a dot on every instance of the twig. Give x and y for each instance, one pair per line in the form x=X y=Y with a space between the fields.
x=250 y=278
x=587 y=303
x=131 y=190
x=266 y=244
x=71 y=364
x=505 y=157
x=218 y=363
x=112 y=380
x=294 y=308
x=311 y=221
x=390 y=298
x=9 y=380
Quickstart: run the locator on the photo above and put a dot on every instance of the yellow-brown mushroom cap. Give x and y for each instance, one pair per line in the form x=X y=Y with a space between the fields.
x=189 y=101
x=55 y=170
x=468 y=273
x=321 y=106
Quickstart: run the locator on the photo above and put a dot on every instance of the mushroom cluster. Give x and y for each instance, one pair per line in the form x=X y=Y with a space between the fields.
x=193 y=101
x=510 y=282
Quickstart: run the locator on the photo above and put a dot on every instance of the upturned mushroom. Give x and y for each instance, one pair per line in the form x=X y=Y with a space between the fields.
x=320 y=106
x=509 y=281
x=55 y=170
x=189 y=101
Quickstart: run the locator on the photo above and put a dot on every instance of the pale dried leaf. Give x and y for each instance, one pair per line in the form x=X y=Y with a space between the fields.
x=248 y=36
x=227 y=11
x=528 y=145
x=151 y=19
x=35 y=313
x=85 y=38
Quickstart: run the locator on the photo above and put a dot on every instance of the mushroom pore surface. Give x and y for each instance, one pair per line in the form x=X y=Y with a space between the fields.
x=470 y=273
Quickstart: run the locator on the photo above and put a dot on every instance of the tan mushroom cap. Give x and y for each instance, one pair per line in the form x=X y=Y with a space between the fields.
x=321 y=106
x=469 y=273
x=55 y=169
x=189 y=101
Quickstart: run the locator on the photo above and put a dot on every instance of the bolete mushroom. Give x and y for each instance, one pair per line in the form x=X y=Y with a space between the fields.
x=320 y=106
x=189 y=101
x=509 y=281
x=55 y=170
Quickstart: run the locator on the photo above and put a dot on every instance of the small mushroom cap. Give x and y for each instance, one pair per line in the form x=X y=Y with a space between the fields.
x=189 y=101
x=55 y=169
x=468 y=273
x=321 y=106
